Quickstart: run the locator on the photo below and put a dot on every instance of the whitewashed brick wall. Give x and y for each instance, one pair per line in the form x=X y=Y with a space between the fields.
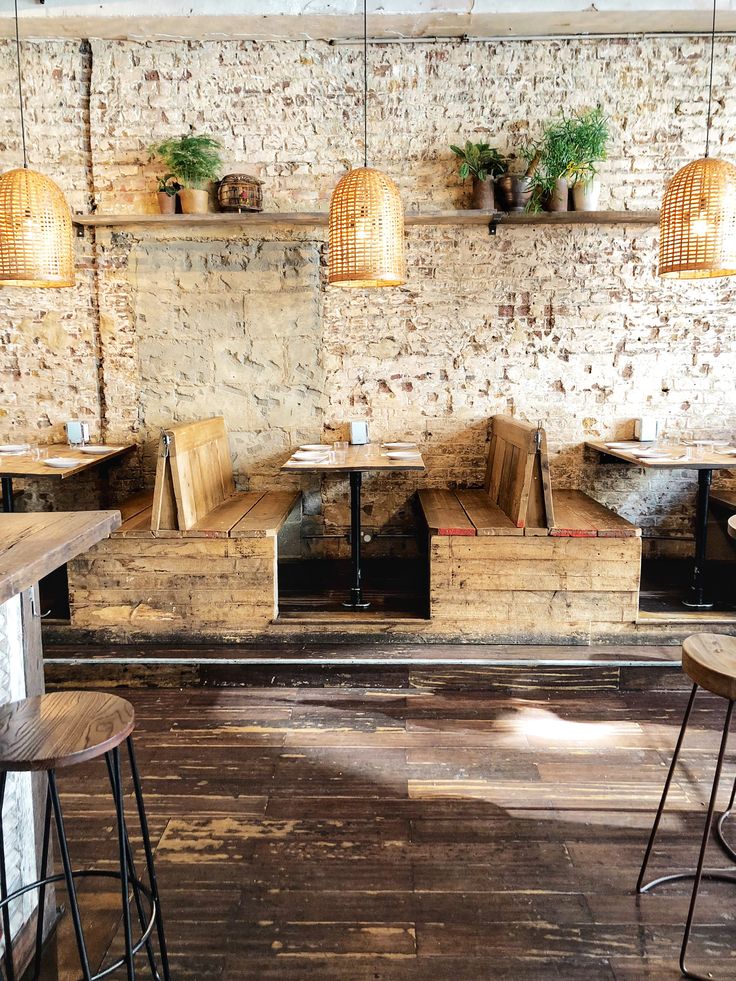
x=567 y=325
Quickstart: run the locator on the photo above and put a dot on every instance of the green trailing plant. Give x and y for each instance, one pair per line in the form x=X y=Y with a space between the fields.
x=167 y=185
x=479 y=160
x=193 y=160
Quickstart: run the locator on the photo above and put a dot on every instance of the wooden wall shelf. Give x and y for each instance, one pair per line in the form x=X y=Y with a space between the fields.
x=319 y=219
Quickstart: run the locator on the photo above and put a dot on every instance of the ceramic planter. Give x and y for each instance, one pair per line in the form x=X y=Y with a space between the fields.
x=166 y=203
x=513 y=192
x=557 y=200
x=194 y=201
x=482 y=198
x=586 y=194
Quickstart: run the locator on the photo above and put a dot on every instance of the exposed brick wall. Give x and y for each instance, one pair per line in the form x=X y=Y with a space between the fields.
x=568 y=325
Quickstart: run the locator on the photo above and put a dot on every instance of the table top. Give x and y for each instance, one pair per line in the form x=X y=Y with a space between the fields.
x=703 y=461
x=364 y=458
x=25 y=466
x=33 y=545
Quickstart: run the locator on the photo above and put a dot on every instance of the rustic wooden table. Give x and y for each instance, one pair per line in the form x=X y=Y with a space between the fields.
x=705 y=461
x=356 y=461
x=23 y=465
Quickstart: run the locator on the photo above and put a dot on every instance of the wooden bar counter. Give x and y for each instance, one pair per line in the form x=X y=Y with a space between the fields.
x=32 y=546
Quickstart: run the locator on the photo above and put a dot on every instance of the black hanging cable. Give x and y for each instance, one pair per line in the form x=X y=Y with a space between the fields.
x=365 y=82
x=710 y=80
x=20 y=88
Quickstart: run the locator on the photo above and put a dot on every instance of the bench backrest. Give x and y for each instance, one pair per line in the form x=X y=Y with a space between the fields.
x=517 y=472
x=194 y=473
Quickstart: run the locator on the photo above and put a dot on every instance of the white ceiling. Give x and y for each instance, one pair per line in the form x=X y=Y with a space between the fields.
x=342 y=19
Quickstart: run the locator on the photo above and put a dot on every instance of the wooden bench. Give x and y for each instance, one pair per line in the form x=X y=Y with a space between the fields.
x=721 y=545
x=192 y=556
x=516 y=559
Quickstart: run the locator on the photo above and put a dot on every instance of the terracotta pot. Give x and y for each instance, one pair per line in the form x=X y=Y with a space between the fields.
x=513 y=192
x=585 y=194
x=557 y=200
x=166 y=203
x=482 y=198
x=194 y=201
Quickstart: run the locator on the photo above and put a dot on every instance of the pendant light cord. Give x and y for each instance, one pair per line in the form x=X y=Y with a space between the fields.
x=20 y=88
x=710 y=79
x=365 y=82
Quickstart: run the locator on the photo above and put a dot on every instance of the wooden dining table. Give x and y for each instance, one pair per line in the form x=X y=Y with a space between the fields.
x=703 y=460
x=355 y=461
x=23 y=465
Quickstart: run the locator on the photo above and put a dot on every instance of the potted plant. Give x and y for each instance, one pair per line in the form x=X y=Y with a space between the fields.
x=514 y=190
x=588 y=133
x=167 y=191
x=194 y=161
x=550 y=165
x=483 y=163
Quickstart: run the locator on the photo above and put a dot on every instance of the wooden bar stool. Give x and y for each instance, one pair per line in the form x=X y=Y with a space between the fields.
x=709 y=660
x=53 y=731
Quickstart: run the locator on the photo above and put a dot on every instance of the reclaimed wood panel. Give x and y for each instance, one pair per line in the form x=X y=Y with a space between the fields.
x=267 y=517
x=444 y=514
x=578 y=516
x=487 y=517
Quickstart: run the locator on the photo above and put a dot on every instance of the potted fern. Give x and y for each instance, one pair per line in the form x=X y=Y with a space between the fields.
x=588 y=134
x=483 y=163
x=194 y=161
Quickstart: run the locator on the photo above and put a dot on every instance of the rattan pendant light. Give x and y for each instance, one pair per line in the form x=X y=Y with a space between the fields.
x=36 y=245
x=697 y=224
x=366 y=229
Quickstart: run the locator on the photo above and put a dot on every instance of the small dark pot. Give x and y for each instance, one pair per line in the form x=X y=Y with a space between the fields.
x=513 y=192
x=557 y=200
x=482 y=198
x=166 y=203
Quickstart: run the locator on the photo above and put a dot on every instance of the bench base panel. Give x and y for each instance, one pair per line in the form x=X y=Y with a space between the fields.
x=191 y=587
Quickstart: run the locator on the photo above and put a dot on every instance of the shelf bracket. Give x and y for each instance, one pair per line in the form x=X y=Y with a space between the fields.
x=492 y=226
x=79 y=228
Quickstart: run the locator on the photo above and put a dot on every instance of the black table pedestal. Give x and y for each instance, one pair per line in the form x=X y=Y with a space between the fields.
x=356 y=601
x=8 y=504
x=696 y=598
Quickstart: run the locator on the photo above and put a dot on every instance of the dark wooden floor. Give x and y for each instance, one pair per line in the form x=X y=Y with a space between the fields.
x=354 y=834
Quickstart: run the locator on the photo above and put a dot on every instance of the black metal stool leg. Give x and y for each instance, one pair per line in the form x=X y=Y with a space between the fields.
x=704 y=844
x=660 y=810
x=149 y=859
x=120 y=813
x=9 y=964
x=42 y=887
x=132 y=875
x=720 y=834
x=69 y=876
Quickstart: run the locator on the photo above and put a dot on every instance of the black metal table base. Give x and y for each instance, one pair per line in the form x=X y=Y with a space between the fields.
x=8 y=503
x=700 y=873
x=356 y=601
x=143 y=895
x=696 y=598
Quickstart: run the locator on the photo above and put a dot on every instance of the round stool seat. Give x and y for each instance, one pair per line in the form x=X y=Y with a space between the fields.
x=732 y=526
x=61 y=729
x=710 y=661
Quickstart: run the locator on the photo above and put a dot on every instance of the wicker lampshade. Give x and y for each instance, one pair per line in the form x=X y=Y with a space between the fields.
x=366 y=234
x=36 y=245
x=697 y=224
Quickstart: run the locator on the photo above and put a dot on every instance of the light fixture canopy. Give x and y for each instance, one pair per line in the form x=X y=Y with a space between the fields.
x=697 y=223
x=366 y=232
x=36 y=244
x=366 y=226
x=36 y=241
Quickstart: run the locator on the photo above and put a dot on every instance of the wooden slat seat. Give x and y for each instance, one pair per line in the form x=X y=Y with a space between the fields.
x=444 y=514
x=488 y=518
x=578 y=516
x=268 y=515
